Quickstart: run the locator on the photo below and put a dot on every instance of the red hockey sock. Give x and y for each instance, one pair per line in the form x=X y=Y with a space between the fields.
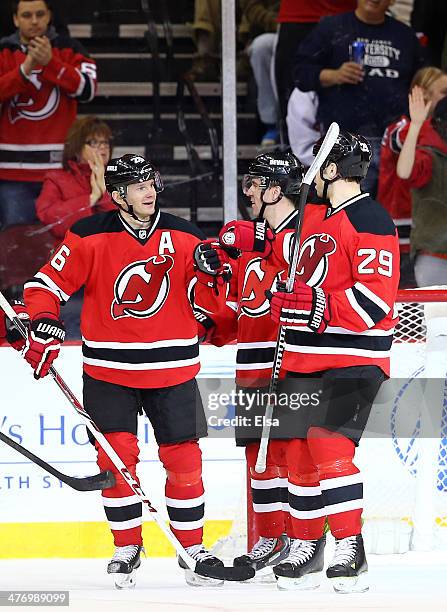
x=268 y=492
x=307 y=513
x=184 y=490
x=341 y=481
x=122 y=507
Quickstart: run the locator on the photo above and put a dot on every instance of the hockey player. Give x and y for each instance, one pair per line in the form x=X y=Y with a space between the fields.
x=339 y=327
x=140 y=349
x=272 y=184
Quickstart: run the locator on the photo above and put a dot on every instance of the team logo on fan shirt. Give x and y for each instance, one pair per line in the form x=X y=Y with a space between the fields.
x=258 y=278
x=38 y=107
x=142 y=287
x=313 y=262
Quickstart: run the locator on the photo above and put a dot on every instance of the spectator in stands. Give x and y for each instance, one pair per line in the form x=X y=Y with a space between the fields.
x=258 y=26
x=423 y=163
x=59 y=18
x=42 y=77
x=78 y=189
x=393 y=192
x=296 y=20
x=362 y=96
x=206 y=28
x=429 y=18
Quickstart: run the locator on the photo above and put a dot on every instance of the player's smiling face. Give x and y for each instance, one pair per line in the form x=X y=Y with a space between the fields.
x=142 y=196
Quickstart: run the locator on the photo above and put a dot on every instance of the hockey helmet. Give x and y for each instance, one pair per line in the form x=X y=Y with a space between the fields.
x=129 y=169
x=275 y=168
x=351 y=153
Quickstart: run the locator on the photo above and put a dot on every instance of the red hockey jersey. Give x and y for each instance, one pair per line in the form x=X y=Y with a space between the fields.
x=138 y=323
x=36 y=111
x=352 y=253
x=256 y=332
x=393 y=192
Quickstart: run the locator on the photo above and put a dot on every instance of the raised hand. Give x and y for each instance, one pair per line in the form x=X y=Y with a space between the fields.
x=419 y=108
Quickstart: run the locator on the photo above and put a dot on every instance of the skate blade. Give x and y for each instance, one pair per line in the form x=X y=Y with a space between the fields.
x=305 y=583
x=262 y=576
x=356 y=584
x=125 y=581
x=195 y=580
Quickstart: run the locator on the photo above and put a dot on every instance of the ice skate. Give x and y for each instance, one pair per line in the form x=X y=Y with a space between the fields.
x=303 y=566
x=348 y=569
x=199 y=553
x=266 y=553
x=123 y=565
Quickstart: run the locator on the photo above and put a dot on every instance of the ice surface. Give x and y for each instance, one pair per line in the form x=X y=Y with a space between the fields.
x=411 y=582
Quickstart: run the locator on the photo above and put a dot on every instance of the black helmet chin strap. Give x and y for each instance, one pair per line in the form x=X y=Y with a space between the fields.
x=327 y=182
x=265 y=204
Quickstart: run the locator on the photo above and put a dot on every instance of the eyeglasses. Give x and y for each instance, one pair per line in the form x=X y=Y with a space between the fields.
x=96 y=144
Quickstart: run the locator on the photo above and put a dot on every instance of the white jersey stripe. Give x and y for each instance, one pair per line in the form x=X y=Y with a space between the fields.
x=160 y=365
x=373 y=297
x=252 y=345
x=140 y=345
x=358 y=309
x=52 y=285
x=254 y=366
x=329 y=350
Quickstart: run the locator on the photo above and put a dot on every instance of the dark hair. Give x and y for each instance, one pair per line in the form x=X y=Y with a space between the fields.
x=439 y=118
x=15 y=5
x=79 y=133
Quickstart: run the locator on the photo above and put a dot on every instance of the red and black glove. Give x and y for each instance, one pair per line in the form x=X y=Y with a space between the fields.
x=7 y=329
x=247 y=236
x=304 y=306
x=211 y=263
x=43 y=344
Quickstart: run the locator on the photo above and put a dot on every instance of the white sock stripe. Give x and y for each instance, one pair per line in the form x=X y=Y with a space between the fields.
x=304 y=491
x=119 y=502
x=353 y=504
x=185 y=503
x=123 y=525
x=271 y=507
x=270 y=483
x=341 y=481
x=187 y=525
x=307 y=514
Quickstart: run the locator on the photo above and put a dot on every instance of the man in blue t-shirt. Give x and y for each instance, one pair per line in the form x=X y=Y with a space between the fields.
x=366 y=95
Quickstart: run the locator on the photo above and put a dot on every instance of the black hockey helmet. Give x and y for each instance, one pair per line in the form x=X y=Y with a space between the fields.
x=352 y=154
x=129 y=169
x=275 y=168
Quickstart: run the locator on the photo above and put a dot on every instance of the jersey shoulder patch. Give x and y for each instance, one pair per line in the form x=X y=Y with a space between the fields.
x=101 y=223
x=367 y=216
x=168 y=221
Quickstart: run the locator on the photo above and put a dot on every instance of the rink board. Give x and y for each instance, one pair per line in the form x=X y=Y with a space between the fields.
x=51 y=520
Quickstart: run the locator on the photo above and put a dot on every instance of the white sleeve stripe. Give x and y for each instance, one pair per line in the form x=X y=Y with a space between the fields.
x=81 y=85
x=30 y=285
x=358 y=309
x=373 y=297
x=52 y=285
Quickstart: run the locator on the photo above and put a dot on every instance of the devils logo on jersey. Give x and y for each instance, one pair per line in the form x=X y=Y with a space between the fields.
x=258 y=278
x=42 y=104
x=313 y=261
x=142 y=287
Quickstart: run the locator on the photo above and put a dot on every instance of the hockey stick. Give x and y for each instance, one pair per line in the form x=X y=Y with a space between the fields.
x=98 y=482
x=220 y=573
x=326 y=146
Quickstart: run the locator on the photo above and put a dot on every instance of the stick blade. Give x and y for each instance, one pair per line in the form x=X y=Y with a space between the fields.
x=98 y=482
x=233 y=574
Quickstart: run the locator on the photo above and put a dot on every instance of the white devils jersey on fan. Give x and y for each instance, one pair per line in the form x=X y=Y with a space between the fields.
x=256 y=332
x=352 y=253
x=138 y=325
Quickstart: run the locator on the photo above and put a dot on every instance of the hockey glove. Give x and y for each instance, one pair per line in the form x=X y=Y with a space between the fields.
x=248 y=237
x=211 y=264
x=7 y=329
x=43 y=344
x=304 y=306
